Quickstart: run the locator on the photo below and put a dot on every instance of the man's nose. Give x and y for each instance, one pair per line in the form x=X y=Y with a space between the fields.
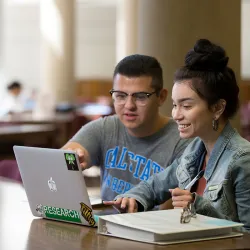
x=130 y=102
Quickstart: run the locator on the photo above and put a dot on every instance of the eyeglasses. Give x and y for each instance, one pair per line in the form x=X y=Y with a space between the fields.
x=140 y=98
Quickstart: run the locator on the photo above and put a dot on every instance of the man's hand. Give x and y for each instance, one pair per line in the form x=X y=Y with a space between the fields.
x=81 y=152
x=124 y=205
x=81 y=158
x=181 y=198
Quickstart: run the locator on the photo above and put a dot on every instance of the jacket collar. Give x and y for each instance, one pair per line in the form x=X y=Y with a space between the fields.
x=218 y=149
x=195 y=159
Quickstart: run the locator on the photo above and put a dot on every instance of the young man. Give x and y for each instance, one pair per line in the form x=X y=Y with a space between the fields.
x=136 y=142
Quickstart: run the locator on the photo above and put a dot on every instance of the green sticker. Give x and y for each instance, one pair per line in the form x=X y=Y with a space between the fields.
x=61 y=214
x=71 y=161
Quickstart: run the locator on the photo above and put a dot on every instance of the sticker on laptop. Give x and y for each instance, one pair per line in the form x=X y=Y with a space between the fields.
x=71 y=161
x=52 y=185
x=86 y=212
x=57 y=213
x=39 y=209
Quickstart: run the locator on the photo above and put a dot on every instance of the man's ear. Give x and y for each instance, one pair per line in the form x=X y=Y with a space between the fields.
x=219 y=108
x=162 y=97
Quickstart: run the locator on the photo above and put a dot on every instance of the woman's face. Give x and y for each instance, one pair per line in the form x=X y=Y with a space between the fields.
x=191 y=113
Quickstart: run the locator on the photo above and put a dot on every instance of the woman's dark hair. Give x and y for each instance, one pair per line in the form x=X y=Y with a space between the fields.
x=212 y=79
x=141 y=65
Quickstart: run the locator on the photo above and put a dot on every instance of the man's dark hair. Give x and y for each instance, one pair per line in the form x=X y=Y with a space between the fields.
x=211 y=78
x=141 y=65
x=14 y=85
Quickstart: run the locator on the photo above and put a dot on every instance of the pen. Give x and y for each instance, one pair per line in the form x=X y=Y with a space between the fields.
x=196 y=178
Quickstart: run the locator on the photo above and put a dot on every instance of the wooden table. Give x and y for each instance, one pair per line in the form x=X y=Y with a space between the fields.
x=20 y=230
x=22 y=132
x=40 y=135
x=29 y=118
x=62 y=122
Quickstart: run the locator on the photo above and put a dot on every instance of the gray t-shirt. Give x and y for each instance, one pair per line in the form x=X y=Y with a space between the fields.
x=126 y=160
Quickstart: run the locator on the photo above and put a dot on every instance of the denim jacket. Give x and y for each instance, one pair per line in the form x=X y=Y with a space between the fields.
x=227 y=174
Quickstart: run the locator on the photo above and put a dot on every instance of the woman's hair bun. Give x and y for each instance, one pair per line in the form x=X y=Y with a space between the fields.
x=206 y=56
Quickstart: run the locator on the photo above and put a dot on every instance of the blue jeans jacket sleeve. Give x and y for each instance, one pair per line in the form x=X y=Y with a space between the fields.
x=239 y=181
x=155 y=190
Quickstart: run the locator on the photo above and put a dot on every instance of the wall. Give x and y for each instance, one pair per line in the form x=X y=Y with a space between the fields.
x=21 y=43
x=94 y=39
x=245 y=39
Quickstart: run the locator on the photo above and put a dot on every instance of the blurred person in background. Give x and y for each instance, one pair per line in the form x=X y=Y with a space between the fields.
x=13 y=102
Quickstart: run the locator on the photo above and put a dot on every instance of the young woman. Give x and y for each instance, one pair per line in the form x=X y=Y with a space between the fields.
x=205 y=97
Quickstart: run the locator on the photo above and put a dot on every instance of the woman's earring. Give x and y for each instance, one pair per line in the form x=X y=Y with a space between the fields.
x=215 y=124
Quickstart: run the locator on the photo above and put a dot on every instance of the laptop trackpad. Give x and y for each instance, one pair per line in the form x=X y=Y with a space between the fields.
x=106 y=211
x=95 y=200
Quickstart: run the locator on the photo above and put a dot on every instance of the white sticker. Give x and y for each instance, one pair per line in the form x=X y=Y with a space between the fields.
x=211 y=188
x=39 y=209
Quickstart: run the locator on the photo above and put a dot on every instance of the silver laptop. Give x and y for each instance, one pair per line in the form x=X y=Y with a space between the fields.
x=55 y=185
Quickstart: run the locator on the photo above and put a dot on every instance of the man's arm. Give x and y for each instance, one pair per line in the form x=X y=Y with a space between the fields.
x=82 y=153
x=87 y=142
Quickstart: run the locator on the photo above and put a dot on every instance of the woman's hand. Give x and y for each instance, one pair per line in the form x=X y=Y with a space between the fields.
x=181 y=198
x=124 y=205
